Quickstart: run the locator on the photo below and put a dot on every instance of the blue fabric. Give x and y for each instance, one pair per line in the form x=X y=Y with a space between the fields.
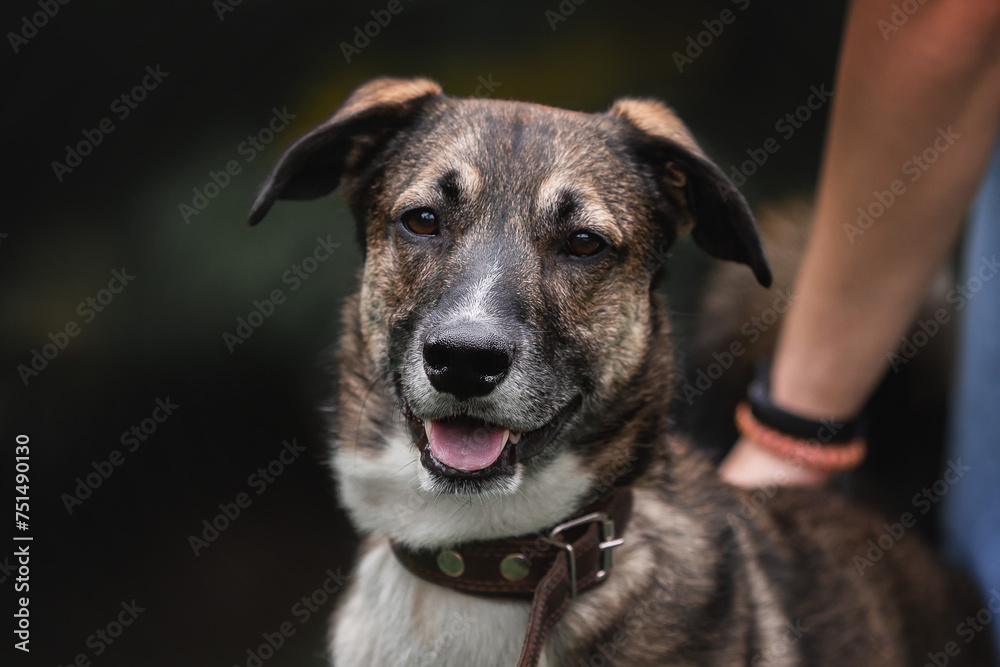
x=972 y=505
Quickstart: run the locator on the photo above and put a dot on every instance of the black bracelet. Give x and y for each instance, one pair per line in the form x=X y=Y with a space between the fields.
x=832 y=431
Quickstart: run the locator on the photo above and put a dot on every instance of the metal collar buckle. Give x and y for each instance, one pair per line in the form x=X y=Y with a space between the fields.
x=607 y=543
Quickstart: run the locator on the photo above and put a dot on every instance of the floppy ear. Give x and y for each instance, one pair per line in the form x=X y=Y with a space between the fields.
x=315 y=163
x=718 y=216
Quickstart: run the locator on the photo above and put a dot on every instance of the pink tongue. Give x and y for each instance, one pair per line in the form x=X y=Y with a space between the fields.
x=467 y=444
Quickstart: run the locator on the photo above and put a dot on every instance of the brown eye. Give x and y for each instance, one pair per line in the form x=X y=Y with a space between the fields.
x=584 y=244
x=421 y=221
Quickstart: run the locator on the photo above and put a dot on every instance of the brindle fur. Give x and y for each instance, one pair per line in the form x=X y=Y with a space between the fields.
x=697 y=582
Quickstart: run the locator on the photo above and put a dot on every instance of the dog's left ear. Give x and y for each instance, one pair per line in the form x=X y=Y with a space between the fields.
x=695 y=190
x=366 y=121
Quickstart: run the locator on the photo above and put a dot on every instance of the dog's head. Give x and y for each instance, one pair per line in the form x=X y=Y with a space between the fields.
x=510 y=255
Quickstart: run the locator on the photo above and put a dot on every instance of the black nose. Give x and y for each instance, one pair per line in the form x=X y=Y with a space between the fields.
x=467 y=360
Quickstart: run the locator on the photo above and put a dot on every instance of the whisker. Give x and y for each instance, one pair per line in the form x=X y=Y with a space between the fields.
x=408 y=463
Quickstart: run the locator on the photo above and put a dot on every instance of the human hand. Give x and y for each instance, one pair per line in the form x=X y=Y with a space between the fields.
x=749 y=465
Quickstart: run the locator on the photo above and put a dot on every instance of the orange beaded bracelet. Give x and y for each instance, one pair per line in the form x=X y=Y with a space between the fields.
x=824 y=457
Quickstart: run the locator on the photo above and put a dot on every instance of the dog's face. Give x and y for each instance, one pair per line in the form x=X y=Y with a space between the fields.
x=510 y=253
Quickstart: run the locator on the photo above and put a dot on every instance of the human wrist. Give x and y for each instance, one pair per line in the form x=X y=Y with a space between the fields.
x=780 y=447
x=818 y=383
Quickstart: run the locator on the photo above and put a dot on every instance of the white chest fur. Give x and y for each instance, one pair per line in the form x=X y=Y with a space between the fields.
x=391 y=617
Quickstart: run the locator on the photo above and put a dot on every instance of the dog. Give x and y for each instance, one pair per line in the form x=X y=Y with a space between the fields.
x=506 y=368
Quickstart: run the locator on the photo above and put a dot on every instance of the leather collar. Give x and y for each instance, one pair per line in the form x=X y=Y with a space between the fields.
x=550 y=568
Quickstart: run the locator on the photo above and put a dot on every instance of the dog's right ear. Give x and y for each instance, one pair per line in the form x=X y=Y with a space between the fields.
x=315 y=163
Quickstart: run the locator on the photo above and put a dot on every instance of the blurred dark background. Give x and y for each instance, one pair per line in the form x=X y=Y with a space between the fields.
x=224 y=70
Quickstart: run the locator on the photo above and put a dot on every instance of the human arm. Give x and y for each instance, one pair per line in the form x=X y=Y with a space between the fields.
x=934 y=80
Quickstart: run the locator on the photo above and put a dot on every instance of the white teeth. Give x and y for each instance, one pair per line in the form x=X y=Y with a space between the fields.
x=513 y=436
x=506 y=435
x=427 y=429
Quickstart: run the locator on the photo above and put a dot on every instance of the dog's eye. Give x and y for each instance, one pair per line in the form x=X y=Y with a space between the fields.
x=584 y=244
x=421 y=221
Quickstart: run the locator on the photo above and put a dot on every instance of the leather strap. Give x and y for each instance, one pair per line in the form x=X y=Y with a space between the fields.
x=539 y=568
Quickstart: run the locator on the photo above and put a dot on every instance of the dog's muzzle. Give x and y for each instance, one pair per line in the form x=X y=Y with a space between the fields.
x=468 y=359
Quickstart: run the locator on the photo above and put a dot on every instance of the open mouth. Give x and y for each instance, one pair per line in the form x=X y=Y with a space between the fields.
x=465 y=447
